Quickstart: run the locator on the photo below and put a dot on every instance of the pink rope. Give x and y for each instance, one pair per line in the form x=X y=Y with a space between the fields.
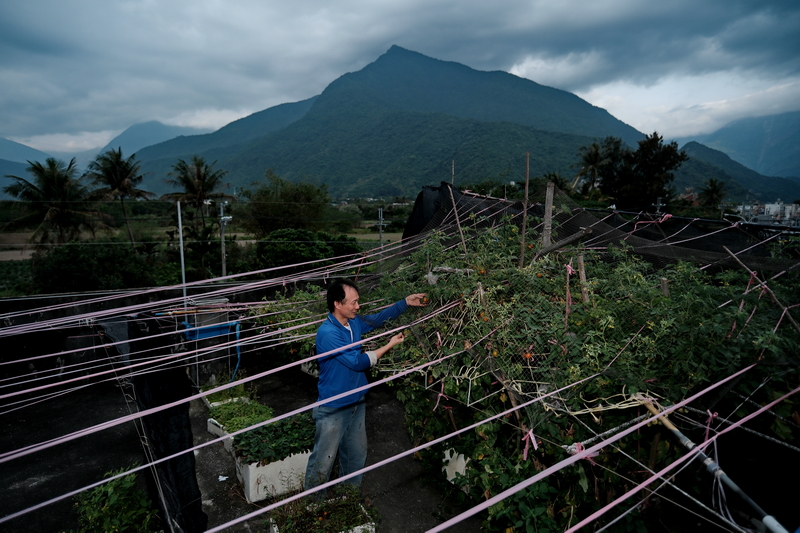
x=594 y=516
x=281 y=417
x=6 y=456
x=528 y=439
x=574 y=458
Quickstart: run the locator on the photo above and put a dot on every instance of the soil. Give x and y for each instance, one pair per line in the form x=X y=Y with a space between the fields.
x=407 y=499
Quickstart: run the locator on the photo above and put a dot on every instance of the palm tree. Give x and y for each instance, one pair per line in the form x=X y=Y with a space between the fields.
x=199 y=182
x=712 y=193
x=56 y=200
x=592 y=159
x=117 y=178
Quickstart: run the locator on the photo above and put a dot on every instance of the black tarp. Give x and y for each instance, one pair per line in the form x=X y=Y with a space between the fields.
x=168 y=431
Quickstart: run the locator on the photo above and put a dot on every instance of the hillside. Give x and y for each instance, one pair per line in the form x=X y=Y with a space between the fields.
x=398 y=123
x=20 y=153
x=706 y=163
x=236 y=133
x=145 y=134
x=403 y=80
x=769 y=145
x=15 y=169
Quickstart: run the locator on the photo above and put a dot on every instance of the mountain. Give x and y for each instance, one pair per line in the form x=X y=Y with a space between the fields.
x=14 y=151
x=769 y=145
x=705 y=163
x=13 y=168
x=144 y=134
x=402 y=80
x=397 y=124
x=236 y=133
x=82 y=159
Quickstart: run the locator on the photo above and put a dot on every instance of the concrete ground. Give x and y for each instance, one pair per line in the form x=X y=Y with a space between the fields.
x=399 y=491
x=406 y=500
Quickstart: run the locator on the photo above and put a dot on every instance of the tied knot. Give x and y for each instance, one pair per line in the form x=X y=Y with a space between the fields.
x=579 y=448
x=711 y=417
x=528 y=439
x=439 y=397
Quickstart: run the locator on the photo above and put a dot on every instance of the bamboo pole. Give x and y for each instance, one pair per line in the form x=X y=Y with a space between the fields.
x=525 y=209
x=458 y=222
x=560 y=244
x=769 y=291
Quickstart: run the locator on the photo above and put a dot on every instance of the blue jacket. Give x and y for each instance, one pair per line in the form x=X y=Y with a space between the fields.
x=346 y=370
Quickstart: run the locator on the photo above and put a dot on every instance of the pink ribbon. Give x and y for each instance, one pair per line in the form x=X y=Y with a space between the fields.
x=528 y=439
x=579 y=448
x=441 y=395
x=711 y=417
x=570 y=270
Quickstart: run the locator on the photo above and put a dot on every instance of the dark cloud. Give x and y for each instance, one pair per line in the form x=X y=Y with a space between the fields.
x=87 y=66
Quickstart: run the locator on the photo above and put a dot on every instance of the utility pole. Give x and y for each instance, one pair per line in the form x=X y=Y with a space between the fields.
x=381 y=224
x=223 y=220
x=183 y=265
x=658 y=205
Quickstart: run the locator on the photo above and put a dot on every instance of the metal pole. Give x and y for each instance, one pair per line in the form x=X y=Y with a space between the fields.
x=380 y=226
x=183 y=265
x=770 y=522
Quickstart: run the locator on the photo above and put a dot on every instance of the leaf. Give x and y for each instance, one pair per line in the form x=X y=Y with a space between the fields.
x=582 y=481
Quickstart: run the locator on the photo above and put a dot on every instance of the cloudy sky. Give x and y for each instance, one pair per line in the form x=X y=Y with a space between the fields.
x=74 y=73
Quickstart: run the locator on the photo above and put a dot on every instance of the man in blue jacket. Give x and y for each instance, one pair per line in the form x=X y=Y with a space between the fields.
x=340 y=422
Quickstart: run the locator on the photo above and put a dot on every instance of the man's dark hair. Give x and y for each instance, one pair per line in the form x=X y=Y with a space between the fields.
x=336 y=292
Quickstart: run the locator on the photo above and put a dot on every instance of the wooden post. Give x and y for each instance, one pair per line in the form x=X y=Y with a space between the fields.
x=525 y=209
x=665 y=286
x=582 y=275
x=548 y=215
x=562 y=243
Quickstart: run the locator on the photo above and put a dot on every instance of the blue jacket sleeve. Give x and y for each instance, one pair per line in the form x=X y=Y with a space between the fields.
x=370 y=322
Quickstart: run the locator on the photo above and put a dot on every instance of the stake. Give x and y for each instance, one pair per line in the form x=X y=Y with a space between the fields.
x=582 y=276
x=769 y=291
x=458 y=222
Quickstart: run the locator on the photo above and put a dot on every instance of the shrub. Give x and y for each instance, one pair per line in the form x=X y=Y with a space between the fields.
x=79 y=267
x=118 y=506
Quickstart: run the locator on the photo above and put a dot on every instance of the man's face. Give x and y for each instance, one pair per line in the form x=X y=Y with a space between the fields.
x=348 y=308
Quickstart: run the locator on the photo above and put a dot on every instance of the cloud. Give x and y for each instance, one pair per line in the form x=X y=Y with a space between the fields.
x=88 y=66
x=69 y=142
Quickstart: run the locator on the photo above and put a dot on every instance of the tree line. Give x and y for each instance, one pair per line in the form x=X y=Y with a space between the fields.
x=65 y=209
x=609 y=173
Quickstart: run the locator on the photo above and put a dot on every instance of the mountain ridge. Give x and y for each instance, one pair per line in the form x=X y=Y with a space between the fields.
x=769 y=144
x=353 y=135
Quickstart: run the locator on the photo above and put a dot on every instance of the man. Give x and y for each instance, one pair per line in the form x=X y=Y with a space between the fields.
x=340 y=423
